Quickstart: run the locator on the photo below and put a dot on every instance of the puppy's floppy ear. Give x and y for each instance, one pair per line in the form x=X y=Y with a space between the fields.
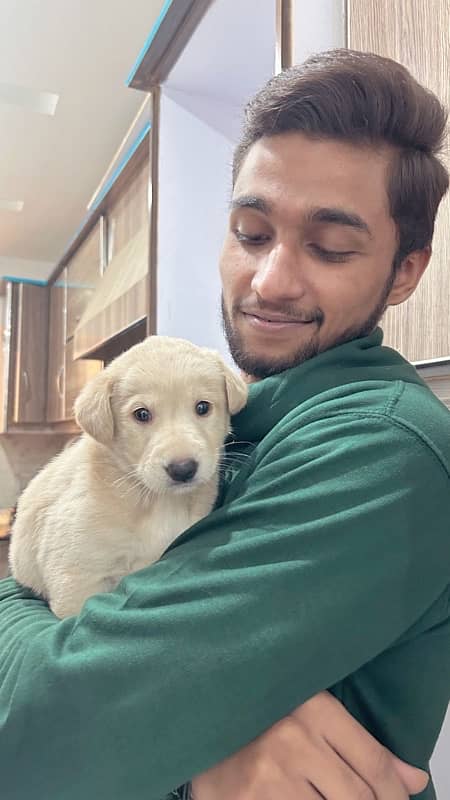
x=237 y=389
x=92 y=408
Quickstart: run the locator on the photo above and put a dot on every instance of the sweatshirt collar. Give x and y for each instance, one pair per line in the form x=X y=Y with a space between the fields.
x=358 y=360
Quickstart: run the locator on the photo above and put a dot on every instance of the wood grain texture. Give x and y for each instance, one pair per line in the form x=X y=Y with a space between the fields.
x=30 y=317
x=122 y=313
x=56 y=355
x=128 y=215
x=78 y=373
x=121 y=297
x=417 y=34
x=83 y=274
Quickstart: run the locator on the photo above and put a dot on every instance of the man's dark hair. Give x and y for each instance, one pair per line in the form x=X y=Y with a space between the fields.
x=368 y=100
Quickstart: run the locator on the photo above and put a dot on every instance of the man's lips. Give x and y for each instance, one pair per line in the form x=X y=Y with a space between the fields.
x=261 y=318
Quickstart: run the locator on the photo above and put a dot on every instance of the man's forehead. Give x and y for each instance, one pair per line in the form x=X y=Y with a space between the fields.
x=294 y=172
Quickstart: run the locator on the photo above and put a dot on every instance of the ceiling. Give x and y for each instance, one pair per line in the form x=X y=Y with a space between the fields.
x=83 y=51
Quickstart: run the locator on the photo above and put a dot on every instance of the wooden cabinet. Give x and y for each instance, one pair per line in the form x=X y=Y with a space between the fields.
x=28 y=353
x=66 y=376
x=120 y=299
x=56 y=353
x=415 y=34
x=83 y=272
x=77 y=373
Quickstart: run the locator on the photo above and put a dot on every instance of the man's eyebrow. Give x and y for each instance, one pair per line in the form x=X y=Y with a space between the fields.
x=338 y=216
x=251 y=201
x=324 y=216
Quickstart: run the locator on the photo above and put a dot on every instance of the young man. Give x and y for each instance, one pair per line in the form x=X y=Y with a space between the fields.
x=326 y=563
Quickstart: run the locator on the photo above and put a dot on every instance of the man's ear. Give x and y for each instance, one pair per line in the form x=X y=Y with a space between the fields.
x=408 y=276
x=92 y=408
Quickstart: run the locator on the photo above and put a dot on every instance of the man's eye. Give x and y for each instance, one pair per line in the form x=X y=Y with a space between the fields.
x=332 y=255
x=253 y=240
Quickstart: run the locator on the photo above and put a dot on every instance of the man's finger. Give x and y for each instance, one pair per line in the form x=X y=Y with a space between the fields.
x=337 y=781
x=363 y=753
x=414 y=779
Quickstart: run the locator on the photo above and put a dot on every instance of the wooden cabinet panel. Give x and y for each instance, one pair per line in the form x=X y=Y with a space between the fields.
x=128 y=214
x=78 y=373
x=29 y=353
x=5 y=333
x=121 y=299
x=82 y=275
x=56 y=353
x=417 y=35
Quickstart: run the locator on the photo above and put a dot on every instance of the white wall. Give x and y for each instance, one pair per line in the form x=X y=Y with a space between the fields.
x=440 y=763
x=318 y=26
x=193 y=190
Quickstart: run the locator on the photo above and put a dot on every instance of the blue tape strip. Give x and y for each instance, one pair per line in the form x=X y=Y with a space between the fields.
x=149 y=40
x=15 y=279
x=121 y=165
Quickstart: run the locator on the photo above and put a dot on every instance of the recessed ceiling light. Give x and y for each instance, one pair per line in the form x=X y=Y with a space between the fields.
x=11 y=205
x=29 y=99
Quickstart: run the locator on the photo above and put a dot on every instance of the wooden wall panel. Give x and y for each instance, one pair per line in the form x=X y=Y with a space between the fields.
x=417 y=34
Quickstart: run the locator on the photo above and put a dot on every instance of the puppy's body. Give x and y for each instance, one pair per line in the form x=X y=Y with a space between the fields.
x=106 y=506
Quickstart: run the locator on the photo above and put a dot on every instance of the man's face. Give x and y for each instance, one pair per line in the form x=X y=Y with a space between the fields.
x=307 y=260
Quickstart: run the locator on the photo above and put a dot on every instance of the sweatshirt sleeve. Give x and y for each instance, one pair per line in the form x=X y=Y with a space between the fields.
x=325 y=556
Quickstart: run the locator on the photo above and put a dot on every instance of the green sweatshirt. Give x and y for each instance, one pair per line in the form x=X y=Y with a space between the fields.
x=325 y=565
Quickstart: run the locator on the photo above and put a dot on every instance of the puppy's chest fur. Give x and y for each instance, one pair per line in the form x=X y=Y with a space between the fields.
x=139 y=543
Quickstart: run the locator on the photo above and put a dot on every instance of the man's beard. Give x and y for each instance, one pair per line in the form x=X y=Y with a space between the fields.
x=261 y=367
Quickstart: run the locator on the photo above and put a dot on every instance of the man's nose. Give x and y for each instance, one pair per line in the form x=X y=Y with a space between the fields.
x=279 y=275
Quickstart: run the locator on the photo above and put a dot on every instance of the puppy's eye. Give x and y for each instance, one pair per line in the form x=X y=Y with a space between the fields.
x=202 y=408
x=142 y=415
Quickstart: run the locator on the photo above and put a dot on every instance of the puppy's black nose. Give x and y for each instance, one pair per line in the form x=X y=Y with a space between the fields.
x=182 y=471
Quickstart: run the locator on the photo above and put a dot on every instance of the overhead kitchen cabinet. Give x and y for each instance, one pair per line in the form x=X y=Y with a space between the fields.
x=66 y=376
x=116 y=313
x=83 y=269
x=56 y=352
x=70 y=293
x=24 y=355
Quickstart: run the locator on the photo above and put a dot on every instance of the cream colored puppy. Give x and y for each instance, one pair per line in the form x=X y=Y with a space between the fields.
x=145 y=469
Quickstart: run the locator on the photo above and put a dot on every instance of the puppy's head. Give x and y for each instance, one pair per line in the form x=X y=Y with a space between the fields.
x=163 y=408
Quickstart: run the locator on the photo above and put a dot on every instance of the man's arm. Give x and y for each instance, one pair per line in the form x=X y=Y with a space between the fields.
x=319 y=750
x=272 y=598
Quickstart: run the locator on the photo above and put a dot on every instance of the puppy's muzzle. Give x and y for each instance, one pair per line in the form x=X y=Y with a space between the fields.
x=182 y=471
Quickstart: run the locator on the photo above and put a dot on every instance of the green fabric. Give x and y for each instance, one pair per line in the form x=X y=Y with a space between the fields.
x=326 y=564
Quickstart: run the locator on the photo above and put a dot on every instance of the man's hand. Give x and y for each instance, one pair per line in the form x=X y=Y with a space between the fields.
x=318 y=751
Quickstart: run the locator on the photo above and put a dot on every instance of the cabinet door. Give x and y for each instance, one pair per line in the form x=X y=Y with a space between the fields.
x=82 y=275
x=415 y=34
x=30 y=320
x=56 y=353
x=78 y=373
x=5 y=348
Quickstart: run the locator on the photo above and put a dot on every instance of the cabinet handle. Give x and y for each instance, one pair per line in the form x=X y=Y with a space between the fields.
x=58 y=382
x=27 y=386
